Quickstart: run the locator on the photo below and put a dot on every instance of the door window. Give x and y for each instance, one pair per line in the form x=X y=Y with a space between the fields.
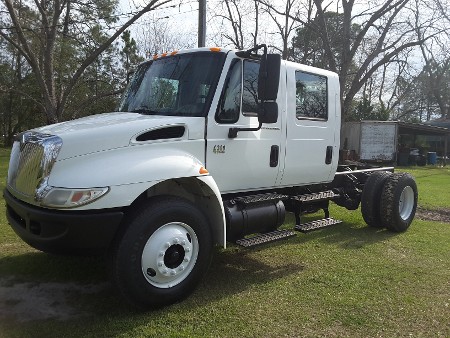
x=311 y=96
x=240 y=92
x=250 y=92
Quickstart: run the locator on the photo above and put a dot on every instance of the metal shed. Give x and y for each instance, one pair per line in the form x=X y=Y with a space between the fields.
x=387 y=141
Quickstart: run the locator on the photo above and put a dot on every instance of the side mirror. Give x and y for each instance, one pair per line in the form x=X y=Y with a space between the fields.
x=268 y=112
x=269 y=77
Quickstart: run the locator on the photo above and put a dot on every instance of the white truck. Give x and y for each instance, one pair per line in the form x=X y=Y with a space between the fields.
x=208 y=146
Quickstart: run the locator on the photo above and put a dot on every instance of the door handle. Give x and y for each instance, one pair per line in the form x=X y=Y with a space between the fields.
x=329 y=155
x=274 y=154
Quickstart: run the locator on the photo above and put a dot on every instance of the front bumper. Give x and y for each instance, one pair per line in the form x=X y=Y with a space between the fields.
x=62 y=231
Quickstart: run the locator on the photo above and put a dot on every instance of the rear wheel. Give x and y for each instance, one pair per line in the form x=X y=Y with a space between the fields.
x=163 y=254
x=398 y=202
x=371 y=197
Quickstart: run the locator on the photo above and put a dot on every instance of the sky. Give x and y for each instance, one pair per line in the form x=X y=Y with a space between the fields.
x=178 y=18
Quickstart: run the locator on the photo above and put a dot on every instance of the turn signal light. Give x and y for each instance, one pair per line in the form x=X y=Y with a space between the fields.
x=203 y=171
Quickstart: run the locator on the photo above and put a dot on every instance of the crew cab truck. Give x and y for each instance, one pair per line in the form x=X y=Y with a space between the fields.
x=208 y=146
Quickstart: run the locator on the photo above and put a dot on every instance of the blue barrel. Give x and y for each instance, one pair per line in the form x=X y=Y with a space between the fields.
x=431 y=157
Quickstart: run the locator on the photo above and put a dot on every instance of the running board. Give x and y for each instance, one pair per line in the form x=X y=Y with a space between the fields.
x=316 y=225
x=268 y=237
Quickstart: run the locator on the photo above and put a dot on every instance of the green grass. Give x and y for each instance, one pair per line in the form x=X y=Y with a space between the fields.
x=436 y=184
x=347 y=280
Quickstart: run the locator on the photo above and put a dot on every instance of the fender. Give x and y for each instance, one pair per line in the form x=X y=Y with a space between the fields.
x=216 y=211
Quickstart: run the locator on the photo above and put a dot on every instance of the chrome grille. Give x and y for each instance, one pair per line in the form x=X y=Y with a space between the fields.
x=32 y=157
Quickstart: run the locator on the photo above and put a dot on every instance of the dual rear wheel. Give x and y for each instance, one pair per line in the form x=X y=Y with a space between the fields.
x=389 y=200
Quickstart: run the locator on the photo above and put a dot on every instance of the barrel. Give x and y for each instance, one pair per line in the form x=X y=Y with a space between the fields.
x=431 y=157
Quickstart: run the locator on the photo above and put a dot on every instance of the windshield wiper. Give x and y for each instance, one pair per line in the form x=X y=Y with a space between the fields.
x=145 y=111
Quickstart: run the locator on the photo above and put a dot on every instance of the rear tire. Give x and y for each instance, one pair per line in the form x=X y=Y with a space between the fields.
x=163 y=254
x=371 y=198
x=398 y=202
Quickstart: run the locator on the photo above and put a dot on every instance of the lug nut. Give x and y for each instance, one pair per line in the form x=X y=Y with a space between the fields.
x=173 y=273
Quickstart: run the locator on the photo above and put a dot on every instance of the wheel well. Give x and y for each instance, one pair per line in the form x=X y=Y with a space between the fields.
x=198 y=193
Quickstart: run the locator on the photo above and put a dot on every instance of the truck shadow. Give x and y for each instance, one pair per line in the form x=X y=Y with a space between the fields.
x=348 y=234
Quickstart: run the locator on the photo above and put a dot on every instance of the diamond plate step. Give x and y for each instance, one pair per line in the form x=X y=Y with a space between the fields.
x=259 y=198
x=316 y=196
x=265 y=238
x=316 y=225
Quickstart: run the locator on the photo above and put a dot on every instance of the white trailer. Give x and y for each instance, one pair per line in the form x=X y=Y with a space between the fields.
x=373 y=141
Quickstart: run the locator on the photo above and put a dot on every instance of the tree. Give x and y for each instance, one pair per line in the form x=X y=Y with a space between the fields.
x=157 y=36
x=238 y=14
x=365 y=110
x=309 y=49
x=129 y=52
x=383 y=33
x=283 y=22
x=59 y=24
x=435 y=53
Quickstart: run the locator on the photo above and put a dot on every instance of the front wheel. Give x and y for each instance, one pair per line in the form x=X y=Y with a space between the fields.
x=163 y=254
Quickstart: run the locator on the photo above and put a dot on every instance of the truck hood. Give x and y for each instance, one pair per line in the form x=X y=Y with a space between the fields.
x=115 y=130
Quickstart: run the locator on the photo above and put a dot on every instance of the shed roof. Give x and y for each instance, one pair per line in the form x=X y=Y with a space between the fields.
x=424 y=129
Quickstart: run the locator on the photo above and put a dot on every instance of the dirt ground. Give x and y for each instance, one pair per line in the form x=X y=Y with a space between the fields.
x=28 y=301
x=441 y=215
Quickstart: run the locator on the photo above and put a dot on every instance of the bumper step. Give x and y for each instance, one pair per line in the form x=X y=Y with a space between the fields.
x=316 y=225
x=265 y=238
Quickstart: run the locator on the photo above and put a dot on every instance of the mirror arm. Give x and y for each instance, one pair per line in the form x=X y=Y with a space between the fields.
x=248 y=53
x=233 y=132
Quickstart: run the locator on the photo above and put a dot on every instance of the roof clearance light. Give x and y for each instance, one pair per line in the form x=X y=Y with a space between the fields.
x=174 y=52
x=215 y=49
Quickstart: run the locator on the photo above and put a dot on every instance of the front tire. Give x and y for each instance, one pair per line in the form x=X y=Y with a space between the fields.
x=163 y=254
x=398 y=202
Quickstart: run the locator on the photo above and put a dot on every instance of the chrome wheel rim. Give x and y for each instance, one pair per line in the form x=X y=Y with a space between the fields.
x=169 y=255
x=406 y=203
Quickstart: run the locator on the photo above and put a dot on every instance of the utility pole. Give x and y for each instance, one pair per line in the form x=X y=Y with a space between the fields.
x=201 y=23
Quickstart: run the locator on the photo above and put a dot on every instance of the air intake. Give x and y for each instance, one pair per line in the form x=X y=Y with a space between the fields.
x=162 y=134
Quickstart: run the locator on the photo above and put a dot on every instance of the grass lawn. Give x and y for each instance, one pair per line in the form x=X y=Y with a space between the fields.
x=346 y=280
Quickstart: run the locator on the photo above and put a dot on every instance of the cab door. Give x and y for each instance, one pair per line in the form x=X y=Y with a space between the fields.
x=250 y=161
x=313 y=125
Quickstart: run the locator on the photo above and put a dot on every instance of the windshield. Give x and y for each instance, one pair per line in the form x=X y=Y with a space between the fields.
x=179 y=85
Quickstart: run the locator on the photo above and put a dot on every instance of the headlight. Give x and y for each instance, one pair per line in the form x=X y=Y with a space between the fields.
x=70 y=198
